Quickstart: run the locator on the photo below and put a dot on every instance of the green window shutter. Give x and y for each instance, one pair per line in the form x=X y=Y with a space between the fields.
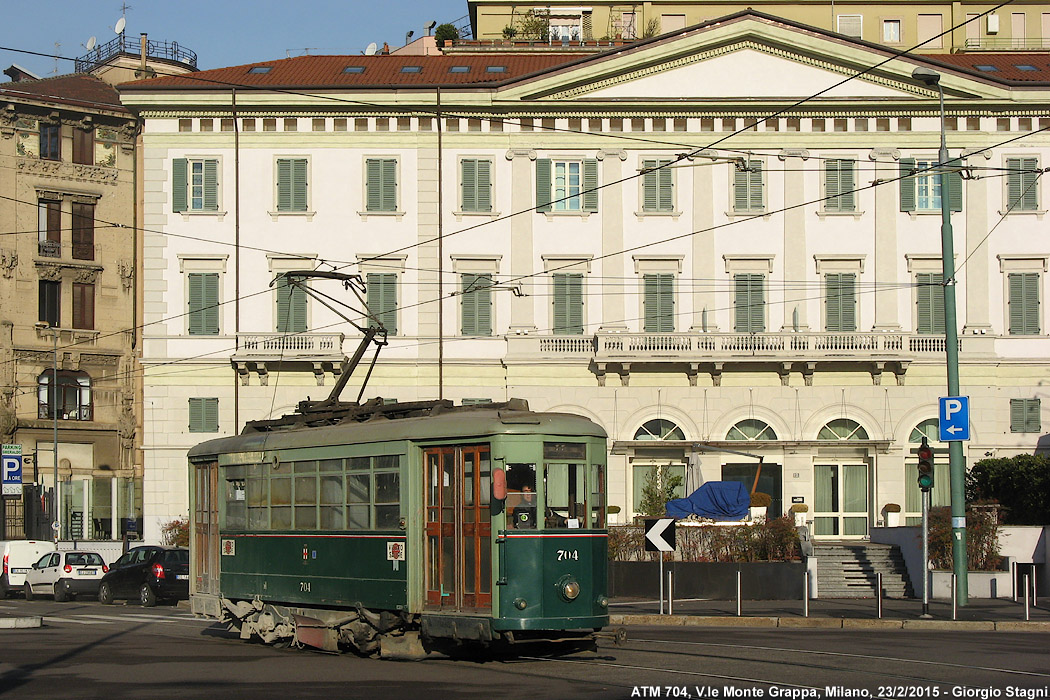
x=1013 y=183
x=841 y=302
x=832 y=303
x=211 y=185
x=203 y=303
x=299 y=199
x=590 y=185
x=389 y=202
x=476 y=304
x=291 y=308
x=666 y=187
x=1029 y=184
x=1024 y=303
x=847 y=202
x=468 y=176
x=1018 y=414
x=754 y=187
x=955 y=191
x=568 y=304
x=831 y=185
x=1032 y=423
x=838 y=185
x=382 y=299
x=907 y=184
x=658 y=303
x=373 y=184
x=650 y=304
x=543 y=184
x=178 y=185
x=204 y=415
x=749 y=303
x=650 y=186
x=211 y=415
x=196 y=422
x=298 y=307
x=740 y=194
x=284 y=185
x=929 y=298
x=484 y=185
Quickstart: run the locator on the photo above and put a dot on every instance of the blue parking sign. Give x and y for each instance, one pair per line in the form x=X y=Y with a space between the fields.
x=953 y=417
x=11 y=470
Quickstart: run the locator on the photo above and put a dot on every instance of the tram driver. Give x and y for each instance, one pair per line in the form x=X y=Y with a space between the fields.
x=521 y=496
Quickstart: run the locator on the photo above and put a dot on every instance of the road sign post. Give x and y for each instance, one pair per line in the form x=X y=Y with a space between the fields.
x=954 y=424
x=659 y=538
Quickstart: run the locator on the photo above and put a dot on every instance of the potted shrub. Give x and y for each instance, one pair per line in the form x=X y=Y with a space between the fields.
x=799 y=510
x=759 y=503
x=892 y=514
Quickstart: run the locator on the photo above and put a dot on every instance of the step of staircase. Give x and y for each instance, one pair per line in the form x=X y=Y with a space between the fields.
x=850 y=570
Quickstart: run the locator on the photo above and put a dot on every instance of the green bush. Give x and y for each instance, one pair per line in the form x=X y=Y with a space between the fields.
x=892 y=508
x=982 y=538
x=799 y=508
x=1020 y=484
x=760 y=500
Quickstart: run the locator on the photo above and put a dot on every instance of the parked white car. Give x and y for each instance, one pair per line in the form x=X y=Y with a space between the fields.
x=65 y=575
x=19 y=556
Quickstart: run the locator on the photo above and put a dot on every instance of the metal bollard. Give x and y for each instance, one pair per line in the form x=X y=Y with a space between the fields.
x=1026 y=611
x=1035 y=589
x=878 y=593
x=738 y=610
x=1013 y=579
x=670 y=593
x=805 y=594
x=954 y=608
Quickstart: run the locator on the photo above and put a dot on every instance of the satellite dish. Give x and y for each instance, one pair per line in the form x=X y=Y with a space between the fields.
x=90 y=43
x=119 y=29
x=370 y=50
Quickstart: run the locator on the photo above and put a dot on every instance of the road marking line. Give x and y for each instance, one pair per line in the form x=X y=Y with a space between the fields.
x=74 y=620
x=127 y=618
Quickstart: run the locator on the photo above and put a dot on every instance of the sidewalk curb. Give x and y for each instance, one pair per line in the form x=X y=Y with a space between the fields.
x=21 y=622
x=653 y=620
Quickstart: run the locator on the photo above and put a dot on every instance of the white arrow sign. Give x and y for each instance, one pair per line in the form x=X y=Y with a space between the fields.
x=659 y=535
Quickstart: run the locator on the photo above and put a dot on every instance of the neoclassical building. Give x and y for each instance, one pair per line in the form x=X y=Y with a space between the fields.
x=722 y=238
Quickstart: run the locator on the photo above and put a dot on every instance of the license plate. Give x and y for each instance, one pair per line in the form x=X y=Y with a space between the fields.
x=87 y=572
x=19 y=571
x=181 y=577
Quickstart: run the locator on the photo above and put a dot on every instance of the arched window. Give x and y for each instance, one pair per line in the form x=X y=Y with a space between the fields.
x=842 y=429
x=659 y=429
x=751 y=429
x=928 y=429
x=70 y=395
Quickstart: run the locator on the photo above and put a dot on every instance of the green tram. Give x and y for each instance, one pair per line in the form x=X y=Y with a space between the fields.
x=396 y=528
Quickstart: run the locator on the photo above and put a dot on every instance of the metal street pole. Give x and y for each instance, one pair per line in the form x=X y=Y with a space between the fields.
x=56 y=504
x=956 y=463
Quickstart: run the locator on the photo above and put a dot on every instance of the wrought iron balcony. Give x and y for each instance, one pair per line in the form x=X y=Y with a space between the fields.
x=170 y=51
x=1004 y=44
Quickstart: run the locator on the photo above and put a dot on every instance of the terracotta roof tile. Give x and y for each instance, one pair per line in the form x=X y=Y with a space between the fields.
x=305 y=72
x=76 y=89
x=1026 y=66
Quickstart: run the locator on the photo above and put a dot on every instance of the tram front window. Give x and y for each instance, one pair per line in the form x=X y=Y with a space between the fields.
x=566 y=493
x=521 y=496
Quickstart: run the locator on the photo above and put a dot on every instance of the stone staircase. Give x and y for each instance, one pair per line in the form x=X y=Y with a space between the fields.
x=848 y=570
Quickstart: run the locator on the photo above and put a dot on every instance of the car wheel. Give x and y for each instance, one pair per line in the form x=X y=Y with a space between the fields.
x=60 y=593
x=105 y=594
x=28 y=591
x=147 y=596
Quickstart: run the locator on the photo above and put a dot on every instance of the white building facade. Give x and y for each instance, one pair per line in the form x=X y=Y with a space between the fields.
x=777 y=292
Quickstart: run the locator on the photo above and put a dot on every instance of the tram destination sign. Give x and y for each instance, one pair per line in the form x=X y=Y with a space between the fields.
x=564 y=450
x=659 y=535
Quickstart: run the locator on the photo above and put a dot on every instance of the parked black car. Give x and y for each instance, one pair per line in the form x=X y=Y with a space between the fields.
x=148 y=573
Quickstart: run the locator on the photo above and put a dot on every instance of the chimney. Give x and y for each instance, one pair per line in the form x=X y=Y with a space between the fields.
x=142 y=51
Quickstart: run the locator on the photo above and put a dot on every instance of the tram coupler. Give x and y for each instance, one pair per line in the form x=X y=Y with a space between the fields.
x=618 y=635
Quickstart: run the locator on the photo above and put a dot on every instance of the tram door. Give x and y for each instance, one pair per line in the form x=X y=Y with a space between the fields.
x=459 y=554
x=206 y=528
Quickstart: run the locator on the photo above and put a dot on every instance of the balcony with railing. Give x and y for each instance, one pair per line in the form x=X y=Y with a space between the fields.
x=319 y=353
x=1006 y=44
x=164 y=50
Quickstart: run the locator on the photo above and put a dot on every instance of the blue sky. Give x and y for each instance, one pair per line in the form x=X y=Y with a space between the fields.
x=223 y=32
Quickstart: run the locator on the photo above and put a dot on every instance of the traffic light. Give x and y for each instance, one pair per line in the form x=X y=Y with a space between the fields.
x=925 y=455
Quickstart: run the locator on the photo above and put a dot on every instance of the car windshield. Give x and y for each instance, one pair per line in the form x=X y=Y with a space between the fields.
x=83 y=559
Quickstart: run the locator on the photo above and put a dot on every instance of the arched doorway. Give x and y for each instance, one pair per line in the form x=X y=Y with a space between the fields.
x=841 y=487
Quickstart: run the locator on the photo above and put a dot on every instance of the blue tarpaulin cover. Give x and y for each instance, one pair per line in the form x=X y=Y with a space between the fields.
x=718 y=500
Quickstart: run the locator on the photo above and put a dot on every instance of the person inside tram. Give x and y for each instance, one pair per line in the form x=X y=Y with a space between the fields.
x=521 y=497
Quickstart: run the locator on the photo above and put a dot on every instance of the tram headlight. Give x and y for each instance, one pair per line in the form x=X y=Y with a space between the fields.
x=569 y=588
x=603 y=602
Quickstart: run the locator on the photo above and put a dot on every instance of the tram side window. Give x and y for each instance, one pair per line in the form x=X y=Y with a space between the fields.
x=331 y=498
x=521 y=496
x=566 y=493
x=358 y=496
x=257 y=497
x=305 y=495
x=597 y=500
x=388 y=500
x=280 y=502
x=236 y=513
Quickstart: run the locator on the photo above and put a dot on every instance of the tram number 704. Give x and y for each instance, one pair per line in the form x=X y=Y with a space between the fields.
x=568 y=554
x=304 y=586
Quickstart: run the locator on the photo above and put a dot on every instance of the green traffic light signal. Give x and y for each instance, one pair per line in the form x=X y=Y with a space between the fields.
x=925 y=455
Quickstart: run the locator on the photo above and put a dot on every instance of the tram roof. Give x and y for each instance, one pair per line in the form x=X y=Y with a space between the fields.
x=460 y=422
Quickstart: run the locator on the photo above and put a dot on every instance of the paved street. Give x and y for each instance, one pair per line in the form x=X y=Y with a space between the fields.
x=85 y=650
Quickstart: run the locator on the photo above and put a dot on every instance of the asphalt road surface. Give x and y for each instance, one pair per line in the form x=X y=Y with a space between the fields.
x=86 y=650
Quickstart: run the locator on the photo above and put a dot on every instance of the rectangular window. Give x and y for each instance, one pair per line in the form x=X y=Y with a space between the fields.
x=657 y=185
x=83 y=231
x=105 y=147
x=1024 y=303
x=204 y=415
x=83 y=305
x=83 y=146
x=1022 y=184
x=195 y=184
x=291 y=184
x=749 y=303
x=920 y=185
x=50 y=228
x=50 y=303
x=628 y=25
x=475 y=185
x=748 y=191
x=291 y=307
x=658 y=303
x=568 y=303
x=838 y=185
x=382 y=299
x=840 y=302
x=929 y=299
x=566 y=185
x=203 y=303
x=1024 y=416
x=671 y=23
x=851 y=25
x=929 y=32
x=381 y=184
x=50 y=141
x=476 y=305
x=891 y=31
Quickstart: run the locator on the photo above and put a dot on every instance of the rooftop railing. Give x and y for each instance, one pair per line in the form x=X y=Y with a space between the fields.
x=170 y=51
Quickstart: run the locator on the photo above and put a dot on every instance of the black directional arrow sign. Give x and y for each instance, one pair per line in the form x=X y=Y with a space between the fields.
x=659 y=535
